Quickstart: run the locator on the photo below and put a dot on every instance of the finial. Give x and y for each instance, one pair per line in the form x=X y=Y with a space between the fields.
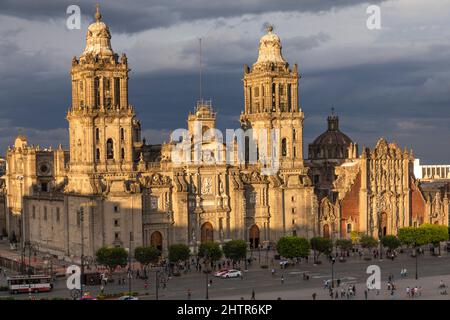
x=269 y=28
x=332 y=111
x=98 y=15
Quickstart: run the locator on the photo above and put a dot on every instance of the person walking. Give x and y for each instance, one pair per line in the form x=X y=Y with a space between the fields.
x=365 y=294
x=282 y=279
x=253 y=295
x=189 y=294
x=314 y=295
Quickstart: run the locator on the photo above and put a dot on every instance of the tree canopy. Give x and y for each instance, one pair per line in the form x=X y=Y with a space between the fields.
x=146 y=255
x=391 y=242
x=321 y=245
x=210 y=250
x=293 y=247
x=426 y=233
x=435 y=233
x=235 y=249
x=344 y=244
x=368 y=241
x=179 y=252
x=112 y=257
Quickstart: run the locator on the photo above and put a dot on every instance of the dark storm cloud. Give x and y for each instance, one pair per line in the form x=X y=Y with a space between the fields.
x=141 y=15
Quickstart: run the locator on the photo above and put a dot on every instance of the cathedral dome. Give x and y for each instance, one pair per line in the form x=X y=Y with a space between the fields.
x=270 y=48
x=98 y=38
x=332 y=144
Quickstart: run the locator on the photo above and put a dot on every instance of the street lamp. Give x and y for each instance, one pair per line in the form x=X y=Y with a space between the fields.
x=206 y=271
x=31 y=248
x=333 y=260
x=380 y=235
x=81 y=213
x=129 y=265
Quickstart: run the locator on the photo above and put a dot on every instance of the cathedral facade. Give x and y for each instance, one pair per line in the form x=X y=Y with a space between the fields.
x=112 y=189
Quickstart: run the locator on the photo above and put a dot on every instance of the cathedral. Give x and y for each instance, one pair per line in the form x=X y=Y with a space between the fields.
x=111 y=188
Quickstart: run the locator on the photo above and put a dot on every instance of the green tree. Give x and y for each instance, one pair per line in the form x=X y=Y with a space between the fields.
x=355 y=236
x=179 y=252
x=344 y=245
x=368 y=242
x=321 y=245
x=293 y=247
x=146 y=255
x=210 y=250
x=435 y=234
x=111 y=258
x=414 y=237
x=391 y=242
x=235 y=250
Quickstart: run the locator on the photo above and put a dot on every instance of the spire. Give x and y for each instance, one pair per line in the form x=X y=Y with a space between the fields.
x=270 y=48
x=98 y=38
x=98 y=15
x=333 y=121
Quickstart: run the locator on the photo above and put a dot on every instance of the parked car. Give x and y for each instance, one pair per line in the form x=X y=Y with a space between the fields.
x=284 y=263
x=128 y=298
x=220 y=272
x=232 y=274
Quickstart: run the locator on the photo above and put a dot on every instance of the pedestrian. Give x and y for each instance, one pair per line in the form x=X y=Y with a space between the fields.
x=354 y=290
x=408 y=292
x=189 y=293
x=253 y=294
x=282 y=279
x=336 y=296
x=314 y=296
x=365 y=294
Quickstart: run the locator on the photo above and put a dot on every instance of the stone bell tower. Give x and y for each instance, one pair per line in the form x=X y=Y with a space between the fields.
x=271 y=100
x=103 y=130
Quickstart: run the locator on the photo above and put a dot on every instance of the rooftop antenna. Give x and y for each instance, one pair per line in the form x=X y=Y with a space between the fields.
x=200 y=68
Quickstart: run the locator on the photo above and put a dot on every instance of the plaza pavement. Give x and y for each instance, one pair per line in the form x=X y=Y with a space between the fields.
x=267 y=286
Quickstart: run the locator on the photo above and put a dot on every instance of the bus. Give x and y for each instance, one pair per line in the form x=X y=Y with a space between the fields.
x=28 y=284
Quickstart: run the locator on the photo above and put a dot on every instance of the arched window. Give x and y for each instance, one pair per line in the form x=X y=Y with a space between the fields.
x=110 y=149
x=122 y=154
x=326 y=231
x=97 y=154
x=247 y=149
x=97 y=134
x=122 y=134
x=289 y=98
x=156 y=240
x=97 y=91
x=284 y=147
x=254 y=237
x=207 y=232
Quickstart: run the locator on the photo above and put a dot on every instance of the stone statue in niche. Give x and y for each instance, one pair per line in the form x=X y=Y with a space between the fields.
x=206 y=186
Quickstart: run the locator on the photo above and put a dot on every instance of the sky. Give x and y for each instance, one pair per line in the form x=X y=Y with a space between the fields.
x=392 y=83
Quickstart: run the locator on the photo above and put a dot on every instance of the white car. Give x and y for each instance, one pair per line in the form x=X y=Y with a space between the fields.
x=232 y=274
x=284 y=263
x=128 y=298
x=221 y=272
